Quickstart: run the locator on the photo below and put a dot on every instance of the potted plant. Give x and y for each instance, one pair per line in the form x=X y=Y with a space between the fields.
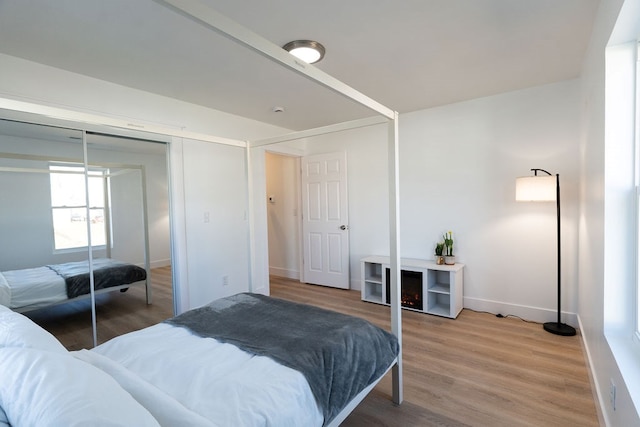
x=449 y=258
x=439 y=258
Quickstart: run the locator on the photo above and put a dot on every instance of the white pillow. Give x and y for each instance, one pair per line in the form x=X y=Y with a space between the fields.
x=164 y=408
x=4 y=421
x=41 y=388
x=5 y=292
x=17 y=330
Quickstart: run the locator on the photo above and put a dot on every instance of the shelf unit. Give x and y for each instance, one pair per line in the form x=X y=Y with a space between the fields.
x=439 y=288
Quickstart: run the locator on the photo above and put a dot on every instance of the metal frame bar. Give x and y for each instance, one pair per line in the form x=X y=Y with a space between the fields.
x=339 y=127
x=204 y=15
x=394 y=255
x=92 y=289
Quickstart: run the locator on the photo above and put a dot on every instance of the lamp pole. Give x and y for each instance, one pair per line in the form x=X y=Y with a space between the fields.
x=558 y=327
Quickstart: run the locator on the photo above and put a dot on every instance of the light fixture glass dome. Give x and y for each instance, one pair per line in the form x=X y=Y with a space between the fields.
x=307 y=50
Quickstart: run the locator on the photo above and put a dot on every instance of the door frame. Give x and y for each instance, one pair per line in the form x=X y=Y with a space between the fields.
x=298 y=203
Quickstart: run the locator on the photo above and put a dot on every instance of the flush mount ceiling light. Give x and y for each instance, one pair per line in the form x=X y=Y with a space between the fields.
x=307 y=50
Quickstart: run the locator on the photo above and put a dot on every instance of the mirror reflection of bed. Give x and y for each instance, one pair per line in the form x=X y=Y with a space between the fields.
x=46 y=224
x=117 y=313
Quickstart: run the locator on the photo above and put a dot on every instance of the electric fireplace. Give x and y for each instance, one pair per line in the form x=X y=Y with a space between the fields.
x=411 y=289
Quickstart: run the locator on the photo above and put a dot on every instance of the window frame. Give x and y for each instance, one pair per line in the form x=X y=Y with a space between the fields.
x=636 y=335
x=87 y=207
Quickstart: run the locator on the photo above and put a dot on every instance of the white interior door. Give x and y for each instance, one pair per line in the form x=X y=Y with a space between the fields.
x=325 y=222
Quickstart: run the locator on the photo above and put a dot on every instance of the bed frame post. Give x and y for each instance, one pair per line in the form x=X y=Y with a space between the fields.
x=145 y=223
x=92 y=287
x=394 y=248
x=204 y=15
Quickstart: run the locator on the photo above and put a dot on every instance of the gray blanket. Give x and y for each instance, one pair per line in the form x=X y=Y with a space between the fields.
x=106 y=273
x=338 y=354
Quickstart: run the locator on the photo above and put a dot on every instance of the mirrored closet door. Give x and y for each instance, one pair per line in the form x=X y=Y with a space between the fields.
x=75 y=222
x=132 y=211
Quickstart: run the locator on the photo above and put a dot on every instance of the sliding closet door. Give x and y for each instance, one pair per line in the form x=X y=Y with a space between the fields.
x=128 y=201
x=90 y=202
x=43 y=224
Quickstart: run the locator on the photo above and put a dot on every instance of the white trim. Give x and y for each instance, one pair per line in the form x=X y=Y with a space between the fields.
x=394 y=252
x=251 y=223
x=178 y=226
x=94 y=119
x=595 y=387
x=338 y=127
x=526 y=312
x=284 y=272
x=161 y=263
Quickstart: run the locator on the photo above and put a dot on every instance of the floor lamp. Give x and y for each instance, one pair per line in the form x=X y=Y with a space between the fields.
x=545 y=188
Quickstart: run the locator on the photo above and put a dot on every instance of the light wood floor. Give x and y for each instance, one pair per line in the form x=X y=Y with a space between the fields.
x=477 y=370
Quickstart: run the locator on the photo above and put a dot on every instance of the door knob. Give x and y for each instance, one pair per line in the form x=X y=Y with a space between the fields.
x=344 y=227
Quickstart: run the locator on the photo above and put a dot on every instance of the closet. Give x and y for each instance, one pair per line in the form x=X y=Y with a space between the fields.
x=74 y=203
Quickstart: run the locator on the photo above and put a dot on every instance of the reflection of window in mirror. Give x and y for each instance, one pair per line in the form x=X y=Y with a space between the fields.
x=69 y=207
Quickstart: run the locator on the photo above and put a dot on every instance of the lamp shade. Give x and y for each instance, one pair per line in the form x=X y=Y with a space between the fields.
x=536 y=188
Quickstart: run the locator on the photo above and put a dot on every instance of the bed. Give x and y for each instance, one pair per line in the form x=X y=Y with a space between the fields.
x=311 y=370
x=209 y=19
x=33 y=288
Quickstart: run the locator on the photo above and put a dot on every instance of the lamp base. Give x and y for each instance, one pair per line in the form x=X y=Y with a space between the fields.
x=559 y=329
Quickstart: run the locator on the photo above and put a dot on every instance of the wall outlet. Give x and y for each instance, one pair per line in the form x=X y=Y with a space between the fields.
x=612 y=394
x=225 y=280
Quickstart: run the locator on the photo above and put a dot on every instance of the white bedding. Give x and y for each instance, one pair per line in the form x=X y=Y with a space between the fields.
x=162 y=375
x=31 y=287
x=217 y=381
x=5 y=293
x=159 y=376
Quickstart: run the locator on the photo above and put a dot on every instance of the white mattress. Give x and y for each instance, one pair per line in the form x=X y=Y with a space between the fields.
x=216 y=381
x=31 y=287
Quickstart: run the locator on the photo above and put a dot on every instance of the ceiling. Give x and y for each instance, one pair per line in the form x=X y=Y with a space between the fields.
x=408 y=54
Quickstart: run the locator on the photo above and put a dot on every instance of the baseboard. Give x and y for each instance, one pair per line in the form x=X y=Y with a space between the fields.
x=595 y=387
x=160 y=263
x=283 y=272
x=534 y=314
x=156 y=264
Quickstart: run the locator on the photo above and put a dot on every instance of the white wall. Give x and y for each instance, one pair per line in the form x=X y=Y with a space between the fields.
x=458 y=168
x=199 y=171
x=32 y=82
x=593 y=249
x=217 y=227
x=31 y=206
x=367 y=186
x=26 y=228
x=458 y=165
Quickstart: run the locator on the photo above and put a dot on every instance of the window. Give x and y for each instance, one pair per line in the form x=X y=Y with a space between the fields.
x=637 y=181
x=69 y=207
